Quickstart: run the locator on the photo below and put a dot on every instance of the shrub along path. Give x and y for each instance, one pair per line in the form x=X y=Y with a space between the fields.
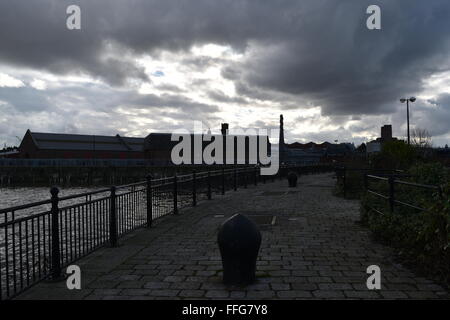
x=315 y=250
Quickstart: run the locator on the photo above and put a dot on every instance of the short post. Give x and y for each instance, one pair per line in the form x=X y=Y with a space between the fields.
x=245 y=178
x=344 y=182
x=366 y=182
x=194 y=189
x=149 y=202
x=209 y=185
x=256 y=176
x=239 y=241
x=175 y=194
x=223 y=181
x=292 y=179
x=56 y=254
x=113 y=219
x=391 y=193
x=235 y=179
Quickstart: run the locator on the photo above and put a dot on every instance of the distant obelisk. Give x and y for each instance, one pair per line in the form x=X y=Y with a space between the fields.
x=281 y=145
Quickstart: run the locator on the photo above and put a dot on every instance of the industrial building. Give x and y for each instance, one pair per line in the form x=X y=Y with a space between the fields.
x=37 y=145
x=311 y=152
x=376 y=145
x=158 y=147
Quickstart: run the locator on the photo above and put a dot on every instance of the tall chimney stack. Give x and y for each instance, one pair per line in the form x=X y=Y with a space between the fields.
x=386 y=132
x=281 y=145
x=224 y=129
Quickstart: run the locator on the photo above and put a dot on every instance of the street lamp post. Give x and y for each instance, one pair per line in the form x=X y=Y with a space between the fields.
x=403 y=100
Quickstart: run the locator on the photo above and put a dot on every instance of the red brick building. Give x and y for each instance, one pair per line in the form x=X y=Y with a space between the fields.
x=36 y=145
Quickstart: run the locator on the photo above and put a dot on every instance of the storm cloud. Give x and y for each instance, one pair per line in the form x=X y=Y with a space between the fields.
x=291 y=55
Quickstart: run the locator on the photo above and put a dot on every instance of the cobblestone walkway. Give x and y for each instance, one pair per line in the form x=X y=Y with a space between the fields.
x=315 y=250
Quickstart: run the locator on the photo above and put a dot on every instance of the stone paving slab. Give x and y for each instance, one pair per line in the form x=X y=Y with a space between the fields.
x=315 y=250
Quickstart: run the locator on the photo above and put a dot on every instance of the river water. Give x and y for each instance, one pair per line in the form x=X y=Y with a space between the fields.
x=11 y=197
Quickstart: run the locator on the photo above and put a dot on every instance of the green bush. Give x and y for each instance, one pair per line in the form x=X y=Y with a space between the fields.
x=394 y=155
x=420 y=237
x=433 y=173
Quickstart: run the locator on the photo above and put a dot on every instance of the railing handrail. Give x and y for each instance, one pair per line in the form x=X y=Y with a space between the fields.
x=134 y=184
x=419 y=185
x=84 y=194
x=377 y=177
x=21 y=219
x=25 y=206
x=392 y=181
x=43 y=202
x=407 y=183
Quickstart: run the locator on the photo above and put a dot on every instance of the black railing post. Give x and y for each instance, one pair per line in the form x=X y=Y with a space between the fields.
x=366 y=182
x=175 y=194
x=391 y=193
x=194 y=189
x=113 y=219
x=209 y=185
x=56 y=254
x=235 y=179
x=223 y=181
x=256 y=176
x=149 y=202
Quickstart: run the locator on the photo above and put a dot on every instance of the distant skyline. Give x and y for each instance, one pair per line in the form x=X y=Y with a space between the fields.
x=141 y=66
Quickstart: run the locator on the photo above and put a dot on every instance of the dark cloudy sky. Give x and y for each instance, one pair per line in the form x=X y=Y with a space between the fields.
x=139 y=66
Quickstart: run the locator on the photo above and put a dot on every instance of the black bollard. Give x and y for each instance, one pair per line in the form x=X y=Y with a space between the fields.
x=292 y=179
x=239 y=241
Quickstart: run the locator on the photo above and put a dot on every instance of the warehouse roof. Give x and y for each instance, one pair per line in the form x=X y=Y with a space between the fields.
x=59 y=141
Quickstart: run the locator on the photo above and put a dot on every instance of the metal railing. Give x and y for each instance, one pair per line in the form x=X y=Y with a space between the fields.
x=343 y=173
x=39 y=239
x=390 y=185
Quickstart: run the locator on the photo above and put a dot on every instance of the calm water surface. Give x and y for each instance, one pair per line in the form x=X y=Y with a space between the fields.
x=10 y=197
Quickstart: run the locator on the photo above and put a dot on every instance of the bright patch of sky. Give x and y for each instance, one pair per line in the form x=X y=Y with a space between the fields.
x=38 y=84
x=8 y=81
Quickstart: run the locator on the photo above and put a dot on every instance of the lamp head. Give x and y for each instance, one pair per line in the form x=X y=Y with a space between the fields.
x=402 y=100
x=412 y=99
